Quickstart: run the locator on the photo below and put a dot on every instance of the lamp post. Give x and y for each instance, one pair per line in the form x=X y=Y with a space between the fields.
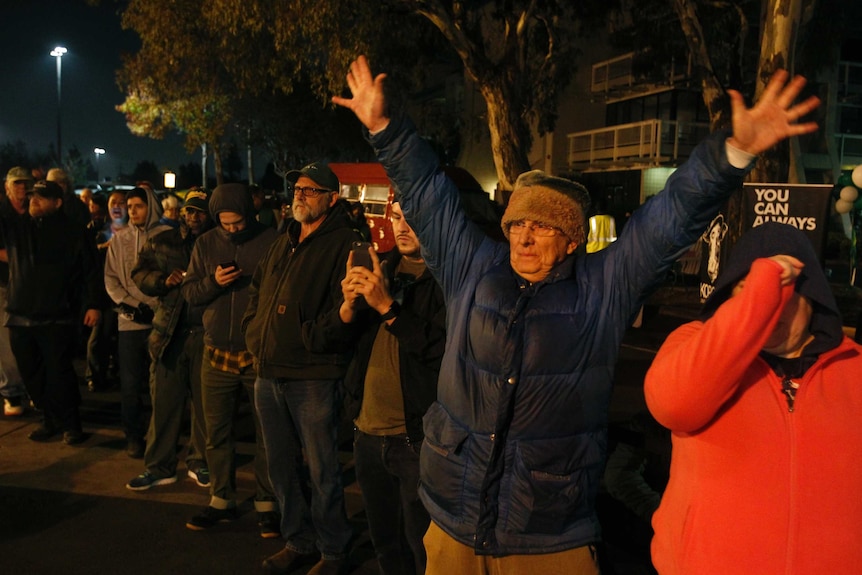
x=170 y=181
x=98 y=152
x=58 y=53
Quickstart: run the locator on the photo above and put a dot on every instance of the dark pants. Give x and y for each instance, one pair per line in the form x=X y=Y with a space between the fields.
x=44 y=354
x=305 y=412
x=101 y=344
x=387 y=470
x=221 y=395
x=134 y=375
x=175 y=378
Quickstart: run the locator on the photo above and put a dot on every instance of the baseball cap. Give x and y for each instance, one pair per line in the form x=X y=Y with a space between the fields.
x=197 y=200
x=47 y=189
x=17 y=174
x=320 y=173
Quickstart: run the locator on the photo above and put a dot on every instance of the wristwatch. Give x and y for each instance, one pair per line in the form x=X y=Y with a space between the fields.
x=392 y=312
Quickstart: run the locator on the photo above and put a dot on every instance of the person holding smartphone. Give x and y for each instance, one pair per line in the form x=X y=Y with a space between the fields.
x=296 y=393
x=218 y=278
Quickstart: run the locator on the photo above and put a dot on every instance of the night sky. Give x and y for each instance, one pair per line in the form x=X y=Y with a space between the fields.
x=28 y=84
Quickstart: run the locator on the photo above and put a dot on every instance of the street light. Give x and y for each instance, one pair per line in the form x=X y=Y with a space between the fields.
x=98 y=152
x=58 y=53
x=170 y=181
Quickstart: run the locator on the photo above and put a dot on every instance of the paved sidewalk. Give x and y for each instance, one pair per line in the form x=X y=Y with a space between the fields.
x=65 y=509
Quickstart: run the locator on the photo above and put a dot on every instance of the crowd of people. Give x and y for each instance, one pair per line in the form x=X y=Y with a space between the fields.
x=477 y=373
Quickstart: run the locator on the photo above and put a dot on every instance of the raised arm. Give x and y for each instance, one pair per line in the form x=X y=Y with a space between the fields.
x=368 y=101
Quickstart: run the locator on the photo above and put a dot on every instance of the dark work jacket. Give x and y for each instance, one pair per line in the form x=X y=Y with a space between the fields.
x=54 y=271
x=420 y=329
x=294 y=286
x=160 y=256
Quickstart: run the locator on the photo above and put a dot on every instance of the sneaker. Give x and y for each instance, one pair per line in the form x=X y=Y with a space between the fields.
x=269 y=523
x=42 y=433
x=135 y=448
x=73 y=437
x=146 y=480
x=201 y=475
x=13 y=406
x=209 y=517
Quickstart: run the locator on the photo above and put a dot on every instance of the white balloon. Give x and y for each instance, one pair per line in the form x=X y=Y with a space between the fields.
x=849 y=193
x=843 y=206
x=856 y=176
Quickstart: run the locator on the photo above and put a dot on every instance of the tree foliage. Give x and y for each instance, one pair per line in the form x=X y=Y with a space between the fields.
x=204 y=62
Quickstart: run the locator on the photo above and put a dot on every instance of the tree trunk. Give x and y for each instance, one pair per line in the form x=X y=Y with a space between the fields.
x=714 y=95
x=217 y=165
x=780 y=28
x=508 y=144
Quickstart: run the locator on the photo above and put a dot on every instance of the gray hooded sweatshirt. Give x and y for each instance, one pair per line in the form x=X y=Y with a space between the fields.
x=121 y=258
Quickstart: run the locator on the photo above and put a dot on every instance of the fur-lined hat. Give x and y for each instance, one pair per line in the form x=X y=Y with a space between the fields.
x=550 y=200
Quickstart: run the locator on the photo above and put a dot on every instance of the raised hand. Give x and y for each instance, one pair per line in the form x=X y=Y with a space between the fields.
x=368 y=101
x=790 y=268
x=773 y=118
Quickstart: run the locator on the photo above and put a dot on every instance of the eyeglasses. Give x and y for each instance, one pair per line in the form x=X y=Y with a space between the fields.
x=538 y=229
x=309 y=192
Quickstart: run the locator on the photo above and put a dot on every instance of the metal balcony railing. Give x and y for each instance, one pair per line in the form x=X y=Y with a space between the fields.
x=849 y=78
x=614 y=73
x=651 y=142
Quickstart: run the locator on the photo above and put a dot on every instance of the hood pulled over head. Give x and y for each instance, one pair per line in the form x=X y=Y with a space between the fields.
x=771 y=239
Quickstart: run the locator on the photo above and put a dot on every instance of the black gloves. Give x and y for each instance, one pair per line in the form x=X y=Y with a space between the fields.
x=142 y=314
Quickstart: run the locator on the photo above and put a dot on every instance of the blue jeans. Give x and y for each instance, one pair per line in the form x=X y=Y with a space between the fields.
x=11 y=382
x=133 y=357
x=304 y=412
x=387 y=469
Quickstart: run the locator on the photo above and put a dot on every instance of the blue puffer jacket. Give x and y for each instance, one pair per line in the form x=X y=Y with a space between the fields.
x=515 y=444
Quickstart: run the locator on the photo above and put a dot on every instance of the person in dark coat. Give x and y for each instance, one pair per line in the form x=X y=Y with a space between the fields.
x=54 y=285
x=176 y=350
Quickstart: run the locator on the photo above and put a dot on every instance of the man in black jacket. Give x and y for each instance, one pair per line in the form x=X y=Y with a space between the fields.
x=176 y=350
x=296 y=393
x=54 y=277
x=390 y=383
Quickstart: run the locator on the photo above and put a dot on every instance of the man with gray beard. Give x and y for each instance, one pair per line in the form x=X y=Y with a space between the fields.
x=296 y=392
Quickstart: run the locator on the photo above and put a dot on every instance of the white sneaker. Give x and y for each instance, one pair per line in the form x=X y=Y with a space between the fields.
x=12 y=407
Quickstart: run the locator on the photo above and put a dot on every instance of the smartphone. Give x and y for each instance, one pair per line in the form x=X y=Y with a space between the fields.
x=230 y=264
x=361 y=257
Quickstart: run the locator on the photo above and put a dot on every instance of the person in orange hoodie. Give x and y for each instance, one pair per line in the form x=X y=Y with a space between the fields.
x=763 y=398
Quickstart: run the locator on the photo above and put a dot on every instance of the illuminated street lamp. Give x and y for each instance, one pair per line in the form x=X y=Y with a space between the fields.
x=58 y=53
x=98 y=152
x=170 y=181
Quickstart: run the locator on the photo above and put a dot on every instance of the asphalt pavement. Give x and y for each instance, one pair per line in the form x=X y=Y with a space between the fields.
x=65 y=509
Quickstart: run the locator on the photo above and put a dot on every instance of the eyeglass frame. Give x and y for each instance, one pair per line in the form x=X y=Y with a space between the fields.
x=538 y=229
x=310 y=192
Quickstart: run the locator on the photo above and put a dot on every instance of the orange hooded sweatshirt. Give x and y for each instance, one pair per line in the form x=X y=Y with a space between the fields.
x=755 y=487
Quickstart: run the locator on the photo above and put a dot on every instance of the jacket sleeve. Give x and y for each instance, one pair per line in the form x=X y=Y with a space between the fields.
x=113 y=274
x=668 y=223
x=700 y=365
x=94 y=293
x=199 y=287
x=147 y=273
x=422 y=336
x=327 y=333
x=254 y=292
x=431 y=203
x=331 y=335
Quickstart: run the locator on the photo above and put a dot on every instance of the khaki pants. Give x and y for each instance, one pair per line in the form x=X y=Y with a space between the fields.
x=448 y=557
